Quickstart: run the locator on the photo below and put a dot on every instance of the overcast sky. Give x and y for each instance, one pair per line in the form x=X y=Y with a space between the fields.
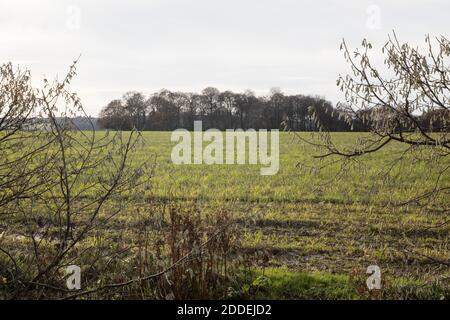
x=188 y=45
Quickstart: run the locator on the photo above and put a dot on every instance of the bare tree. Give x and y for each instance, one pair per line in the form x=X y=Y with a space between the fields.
x=211 y=102
x=112 y=116
x=54 y=178
x=136 y=107
x=406 y=101
x=18 y=168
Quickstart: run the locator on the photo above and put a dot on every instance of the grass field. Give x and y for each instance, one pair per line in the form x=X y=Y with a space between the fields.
x=312 y=236
x=362 y=184
x=308 y=222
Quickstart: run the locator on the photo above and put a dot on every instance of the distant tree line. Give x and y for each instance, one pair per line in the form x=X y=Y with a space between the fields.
x=166 y=111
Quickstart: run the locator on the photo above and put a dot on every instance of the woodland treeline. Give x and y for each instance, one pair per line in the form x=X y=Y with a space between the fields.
x=167 y=110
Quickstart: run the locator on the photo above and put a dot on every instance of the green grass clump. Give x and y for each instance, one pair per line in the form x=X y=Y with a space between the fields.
x=280 y=283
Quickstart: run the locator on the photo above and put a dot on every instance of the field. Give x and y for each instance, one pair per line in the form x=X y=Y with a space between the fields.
x=308 y=233
x=306 y=221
